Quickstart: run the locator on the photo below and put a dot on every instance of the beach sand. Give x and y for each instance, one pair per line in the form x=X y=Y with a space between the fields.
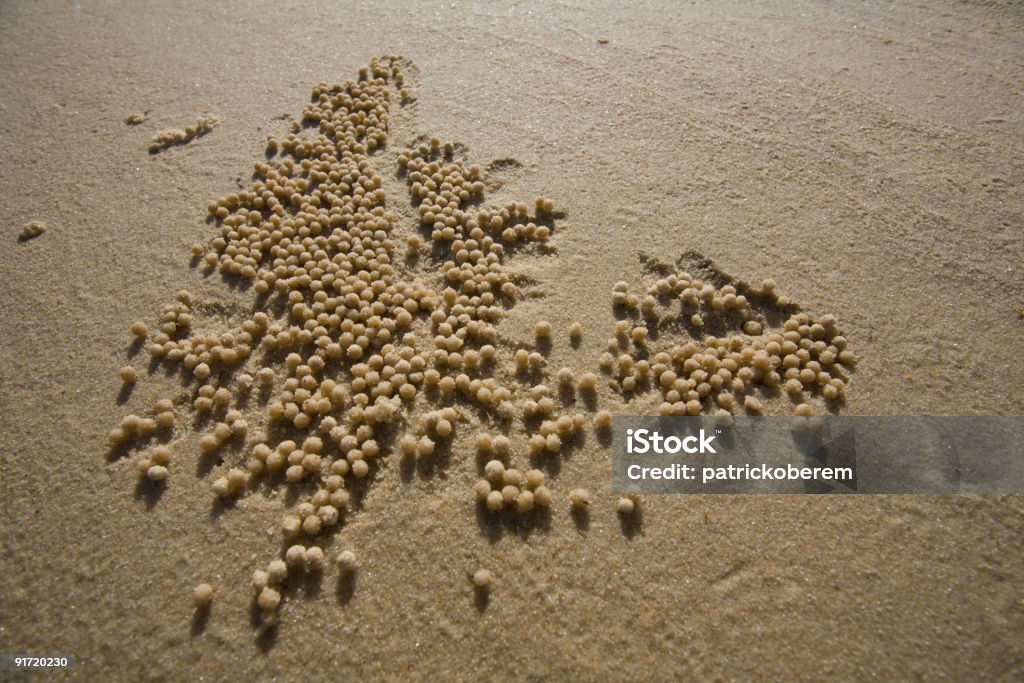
x=867 y=158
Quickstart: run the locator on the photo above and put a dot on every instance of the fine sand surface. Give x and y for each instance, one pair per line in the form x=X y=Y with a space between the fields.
x=869 y=159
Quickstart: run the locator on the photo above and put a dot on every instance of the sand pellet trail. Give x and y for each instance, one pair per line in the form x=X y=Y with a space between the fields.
x=310 y=357
x=374 y=341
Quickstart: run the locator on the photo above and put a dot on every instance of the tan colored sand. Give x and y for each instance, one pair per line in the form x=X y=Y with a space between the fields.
x=869 y=159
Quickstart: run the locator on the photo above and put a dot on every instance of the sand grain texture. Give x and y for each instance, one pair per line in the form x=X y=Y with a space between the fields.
x=867 y=158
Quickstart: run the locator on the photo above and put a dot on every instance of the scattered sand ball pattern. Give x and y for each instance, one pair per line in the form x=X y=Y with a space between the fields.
x=370 y=339
x=172 y=137
x=719 y=373
x=360 y=344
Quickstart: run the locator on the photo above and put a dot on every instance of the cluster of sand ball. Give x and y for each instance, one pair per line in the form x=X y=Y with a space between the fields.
x=180 y=136
x=361 y=343
x=721 y=373
x=503 y=487
x=31 y=230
